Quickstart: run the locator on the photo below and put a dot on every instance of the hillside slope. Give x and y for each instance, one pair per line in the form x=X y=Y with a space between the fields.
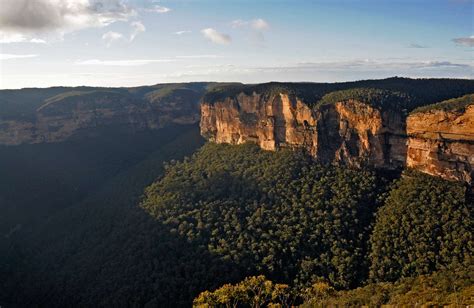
x=56 y=114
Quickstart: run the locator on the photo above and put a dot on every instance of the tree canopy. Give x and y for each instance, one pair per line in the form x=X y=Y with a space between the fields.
x=279 y=213
x=425 y=225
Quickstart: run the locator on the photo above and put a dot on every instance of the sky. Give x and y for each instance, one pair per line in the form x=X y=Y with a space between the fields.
x=141 y=42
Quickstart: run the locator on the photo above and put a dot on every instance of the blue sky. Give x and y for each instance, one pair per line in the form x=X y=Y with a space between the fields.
x=130 y=43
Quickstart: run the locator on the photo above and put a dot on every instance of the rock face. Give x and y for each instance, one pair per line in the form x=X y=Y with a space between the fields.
x=350 y=132
x=355 y=133
x=59 y=119
x=347 y=132
x=442 y=143
x=280 y=121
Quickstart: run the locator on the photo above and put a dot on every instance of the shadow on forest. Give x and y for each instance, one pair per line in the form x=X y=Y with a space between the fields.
x=106 y=251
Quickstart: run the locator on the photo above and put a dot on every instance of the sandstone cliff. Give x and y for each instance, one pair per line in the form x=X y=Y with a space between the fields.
x=273 y=122
x=347 y=131
x=442 y=143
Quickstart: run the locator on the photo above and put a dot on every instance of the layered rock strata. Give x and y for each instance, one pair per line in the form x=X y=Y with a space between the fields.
x=348 y=132
x=441 y=143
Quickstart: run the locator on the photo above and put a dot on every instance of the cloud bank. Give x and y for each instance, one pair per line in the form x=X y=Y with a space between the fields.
x=27 y=20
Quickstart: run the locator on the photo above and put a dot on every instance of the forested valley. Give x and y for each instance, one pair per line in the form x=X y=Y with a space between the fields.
x=219 y=224
x=121 y=214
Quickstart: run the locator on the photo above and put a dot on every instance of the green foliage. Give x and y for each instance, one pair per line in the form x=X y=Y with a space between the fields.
x=318 y=291
x=405 y=93
x=454 y=104
x=449 y=287
x=225 y=213
x=275 y=213
x=71 y=233
x=442 y=288
x=425 y=225
x=382 y=99
x=255 y=291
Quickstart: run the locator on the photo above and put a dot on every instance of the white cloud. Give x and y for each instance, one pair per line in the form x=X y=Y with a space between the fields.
x=216 y=37
x=465 y=41
x=23 y=20
x=255 y=26
x=258 y=24
x=158 y=9
x=138 y=28
x=239 y=23
x=6 y=56
x=135 y=62
x=111 y=37
x=182 y=32
x=7 y=38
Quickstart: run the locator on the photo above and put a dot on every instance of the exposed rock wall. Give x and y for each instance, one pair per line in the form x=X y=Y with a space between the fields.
x=278 y=121
x=348 y=132
x=58 y=122
x=442 y=143
x=355 y=133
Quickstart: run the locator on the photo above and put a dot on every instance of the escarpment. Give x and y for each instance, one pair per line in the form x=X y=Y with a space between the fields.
x=65 y=115
x=441 y=143
x=348 y=131
x=355 y=133
x=391 y=123
x=278 y=121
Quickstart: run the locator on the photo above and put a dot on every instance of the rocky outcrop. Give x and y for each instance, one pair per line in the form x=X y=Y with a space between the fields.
x=441 y=143
x=354 y=133
x=348 y=132
x=59 y=119
x=278 y=121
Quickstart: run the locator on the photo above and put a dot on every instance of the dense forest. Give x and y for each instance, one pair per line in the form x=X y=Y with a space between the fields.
x=404 y=93
x=232 y=218
x=157 y=218
x=300 y=223
x=272 y=213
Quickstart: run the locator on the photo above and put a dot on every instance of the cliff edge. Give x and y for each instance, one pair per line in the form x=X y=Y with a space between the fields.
x=353 y=127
